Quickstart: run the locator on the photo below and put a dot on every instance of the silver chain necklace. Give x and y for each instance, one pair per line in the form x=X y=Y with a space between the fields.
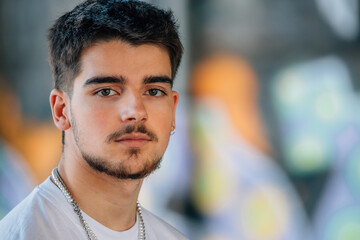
x=91 y=236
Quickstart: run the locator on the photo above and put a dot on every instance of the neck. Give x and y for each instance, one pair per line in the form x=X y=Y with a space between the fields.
x=110 y=201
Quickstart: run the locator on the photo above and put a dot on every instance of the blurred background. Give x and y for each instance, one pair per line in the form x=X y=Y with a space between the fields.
x=267 y=144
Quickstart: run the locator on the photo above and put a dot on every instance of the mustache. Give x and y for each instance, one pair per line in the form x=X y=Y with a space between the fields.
x=132 y=129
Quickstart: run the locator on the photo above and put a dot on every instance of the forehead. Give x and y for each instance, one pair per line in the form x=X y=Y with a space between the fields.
x=118 y=58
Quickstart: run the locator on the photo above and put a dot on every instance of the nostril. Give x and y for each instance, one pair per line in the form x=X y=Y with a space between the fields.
x=139 y=118
x=131 y=118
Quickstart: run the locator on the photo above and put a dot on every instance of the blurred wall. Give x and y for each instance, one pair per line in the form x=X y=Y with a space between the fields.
x=23 y=51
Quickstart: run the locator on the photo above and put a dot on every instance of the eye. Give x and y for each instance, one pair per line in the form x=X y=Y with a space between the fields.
x=106 y=92
x=155 y=92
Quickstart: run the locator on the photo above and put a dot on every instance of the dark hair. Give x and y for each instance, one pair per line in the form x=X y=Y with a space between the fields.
x=93 y=21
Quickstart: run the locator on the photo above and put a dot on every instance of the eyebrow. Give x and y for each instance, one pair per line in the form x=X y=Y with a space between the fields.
x=99 y=80
x=122 y=80
x=158 y=79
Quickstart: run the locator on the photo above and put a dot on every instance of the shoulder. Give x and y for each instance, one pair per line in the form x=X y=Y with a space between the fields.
x=36 y=217
x=157 y=228
x=18 y=223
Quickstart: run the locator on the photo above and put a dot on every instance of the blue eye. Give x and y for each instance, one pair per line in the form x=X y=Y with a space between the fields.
x=155 y=92
x=106 y=92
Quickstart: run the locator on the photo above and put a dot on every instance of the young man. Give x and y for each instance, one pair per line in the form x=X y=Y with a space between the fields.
x=114 y=63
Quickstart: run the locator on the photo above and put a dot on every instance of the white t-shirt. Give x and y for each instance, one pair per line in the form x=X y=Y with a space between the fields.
x=46 y=214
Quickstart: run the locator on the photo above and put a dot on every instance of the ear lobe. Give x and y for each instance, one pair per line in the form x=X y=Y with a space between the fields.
x=59 y=103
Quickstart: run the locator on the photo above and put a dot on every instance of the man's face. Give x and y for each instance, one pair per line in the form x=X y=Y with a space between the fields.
x=122 y=108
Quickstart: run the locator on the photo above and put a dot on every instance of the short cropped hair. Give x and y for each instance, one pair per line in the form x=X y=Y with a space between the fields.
x=93 y=21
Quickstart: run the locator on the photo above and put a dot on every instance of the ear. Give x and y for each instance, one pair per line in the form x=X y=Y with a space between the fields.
x=59 y=102
x=175 y=99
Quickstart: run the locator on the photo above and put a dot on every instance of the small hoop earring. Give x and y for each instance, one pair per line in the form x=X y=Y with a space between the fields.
x=172 y=132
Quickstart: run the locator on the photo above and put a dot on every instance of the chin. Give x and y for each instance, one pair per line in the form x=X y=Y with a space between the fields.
x=132 y=168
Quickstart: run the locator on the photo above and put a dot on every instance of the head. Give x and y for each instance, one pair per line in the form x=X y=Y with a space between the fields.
x=90 y=47
x=93 y=21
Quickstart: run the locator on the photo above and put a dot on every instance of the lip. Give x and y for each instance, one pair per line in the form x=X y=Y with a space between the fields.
x=134 y=140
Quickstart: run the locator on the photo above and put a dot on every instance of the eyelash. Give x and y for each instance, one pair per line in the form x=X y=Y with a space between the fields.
x=156 y=89
x=113 y=92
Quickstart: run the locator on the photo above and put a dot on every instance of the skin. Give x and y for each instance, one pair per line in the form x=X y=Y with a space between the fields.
x=138 y=93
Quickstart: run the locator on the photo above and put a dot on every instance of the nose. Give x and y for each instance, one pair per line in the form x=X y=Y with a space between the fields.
x=133 y=108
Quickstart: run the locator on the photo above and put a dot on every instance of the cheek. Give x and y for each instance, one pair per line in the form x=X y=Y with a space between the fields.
x=160 y=121
x=162 y=114
x=93 y=121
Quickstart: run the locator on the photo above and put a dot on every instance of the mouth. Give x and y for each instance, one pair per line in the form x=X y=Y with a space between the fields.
x=134 y=140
